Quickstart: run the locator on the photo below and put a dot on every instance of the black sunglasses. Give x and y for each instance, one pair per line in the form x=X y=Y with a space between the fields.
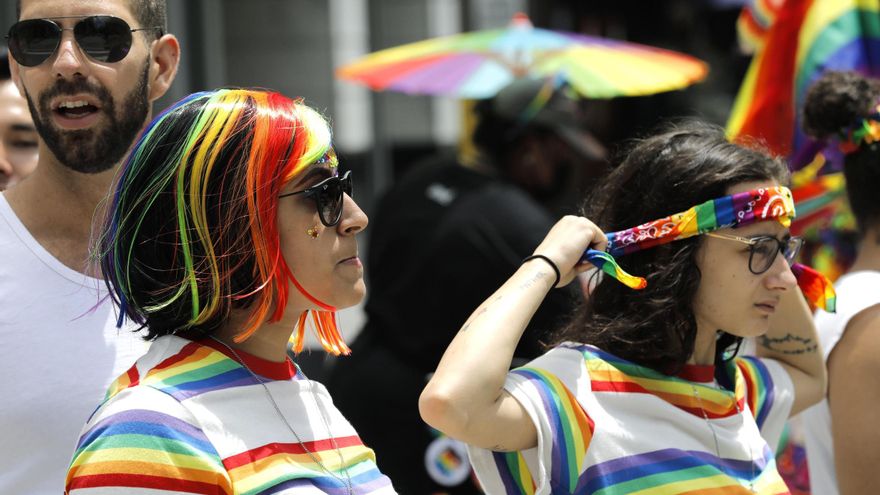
x=763 y=250
x=328 y=198
x=103 y=38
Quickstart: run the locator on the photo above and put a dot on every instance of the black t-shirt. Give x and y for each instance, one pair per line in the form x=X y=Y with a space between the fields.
x=443 y=240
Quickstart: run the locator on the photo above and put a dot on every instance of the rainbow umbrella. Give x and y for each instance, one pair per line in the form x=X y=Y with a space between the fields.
x=480 y=63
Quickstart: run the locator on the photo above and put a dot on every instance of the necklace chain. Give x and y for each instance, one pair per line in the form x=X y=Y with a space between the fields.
x=345 y=481
x=715 y=435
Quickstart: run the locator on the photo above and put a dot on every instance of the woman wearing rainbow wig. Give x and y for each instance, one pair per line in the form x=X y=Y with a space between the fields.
x=640 y=393
x=230 y=226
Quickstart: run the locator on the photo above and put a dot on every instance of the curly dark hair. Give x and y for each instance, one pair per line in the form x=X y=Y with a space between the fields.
x=687 y=163
x=835 y=102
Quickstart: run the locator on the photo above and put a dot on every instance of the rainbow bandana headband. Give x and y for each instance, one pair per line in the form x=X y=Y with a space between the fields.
x=866 y=130
x=737 y=210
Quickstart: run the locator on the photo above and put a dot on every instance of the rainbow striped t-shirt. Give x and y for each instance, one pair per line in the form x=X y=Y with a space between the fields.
x=607 y=426
x=188 y=418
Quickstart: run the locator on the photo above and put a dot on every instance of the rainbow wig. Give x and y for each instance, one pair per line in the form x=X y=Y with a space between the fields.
x=192 y=230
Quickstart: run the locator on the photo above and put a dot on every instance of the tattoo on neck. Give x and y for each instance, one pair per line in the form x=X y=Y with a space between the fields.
x=789 y=344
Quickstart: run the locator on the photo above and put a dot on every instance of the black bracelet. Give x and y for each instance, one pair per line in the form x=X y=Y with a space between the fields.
x=549 y=262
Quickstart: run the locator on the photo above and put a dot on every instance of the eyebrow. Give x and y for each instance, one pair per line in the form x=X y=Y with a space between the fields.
x=24 y=127
x=320 y=172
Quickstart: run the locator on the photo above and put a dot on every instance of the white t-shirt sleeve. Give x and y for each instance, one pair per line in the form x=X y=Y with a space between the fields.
x=769 y=395
x=547 y=388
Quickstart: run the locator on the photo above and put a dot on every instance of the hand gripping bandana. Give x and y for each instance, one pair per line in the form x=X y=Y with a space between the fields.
x=734 y=211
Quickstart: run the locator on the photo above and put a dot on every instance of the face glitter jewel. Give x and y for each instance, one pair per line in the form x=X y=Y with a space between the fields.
x=313 y=232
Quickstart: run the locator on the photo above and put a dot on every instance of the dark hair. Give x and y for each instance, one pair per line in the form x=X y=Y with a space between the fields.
x=834 y=103
x=685 y=164
x=148 y=13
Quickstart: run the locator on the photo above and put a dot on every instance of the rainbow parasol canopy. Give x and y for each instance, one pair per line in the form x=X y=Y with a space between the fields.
x=480 y=63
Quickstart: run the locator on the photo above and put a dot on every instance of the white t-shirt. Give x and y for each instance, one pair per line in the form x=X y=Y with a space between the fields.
x=606 y=425
x=856 y=292
x=60 y=350
x=189 y=418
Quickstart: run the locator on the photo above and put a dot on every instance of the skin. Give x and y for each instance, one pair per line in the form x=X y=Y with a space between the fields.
x=327 y=266
x=852 y=392
x=465 y=397
x=768 y=306
x=57 y=204
x=18 y=138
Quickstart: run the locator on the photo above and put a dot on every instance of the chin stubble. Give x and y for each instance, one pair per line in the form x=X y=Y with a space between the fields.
x=91 y=151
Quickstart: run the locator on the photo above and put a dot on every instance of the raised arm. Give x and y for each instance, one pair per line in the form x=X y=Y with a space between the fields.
x=465 y=397
x=792 y=341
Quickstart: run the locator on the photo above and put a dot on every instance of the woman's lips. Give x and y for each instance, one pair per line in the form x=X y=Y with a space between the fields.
x=351 y=261
x=766 y=307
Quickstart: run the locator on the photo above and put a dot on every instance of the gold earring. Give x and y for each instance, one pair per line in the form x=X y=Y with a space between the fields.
x=313 y=232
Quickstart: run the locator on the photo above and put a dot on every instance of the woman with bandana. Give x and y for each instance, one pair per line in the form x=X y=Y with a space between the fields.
x=230 y=228
x=642 y=389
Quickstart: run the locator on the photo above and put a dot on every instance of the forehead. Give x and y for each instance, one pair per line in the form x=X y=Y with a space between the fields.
x=38 y=9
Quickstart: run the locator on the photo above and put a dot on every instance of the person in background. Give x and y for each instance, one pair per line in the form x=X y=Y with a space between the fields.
x=638 y=392
x=841 y=431
x=230 y=228
x=89 y=70
x=18 y=137
x=448 y=233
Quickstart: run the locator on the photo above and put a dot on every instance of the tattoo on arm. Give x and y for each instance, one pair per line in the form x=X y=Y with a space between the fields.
x=479 y=313
x=499 y=448
x=530 y=282
x=789 y=344
x=525 y=285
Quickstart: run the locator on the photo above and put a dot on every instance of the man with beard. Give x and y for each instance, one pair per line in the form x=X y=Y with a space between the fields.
x=90 y=70
x=486 y=213
x=18 y=138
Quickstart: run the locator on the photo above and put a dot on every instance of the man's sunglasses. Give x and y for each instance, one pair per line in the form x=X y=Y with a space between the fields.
x=328 y=197
x=763 y=250
x=103 y=38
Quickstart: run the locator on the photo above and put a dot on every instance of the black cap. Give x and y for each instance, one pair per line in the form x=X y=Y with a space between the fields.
x=520 y=103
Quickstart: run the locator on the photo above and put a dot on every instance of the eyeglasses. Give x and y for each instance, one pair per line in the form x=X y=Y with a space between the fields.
x=103 y=38
x=328 y=198
x=763 y=249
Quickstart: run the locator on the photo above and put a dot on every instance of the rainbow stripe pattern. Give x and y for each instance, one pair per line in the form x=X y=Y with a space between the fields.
x=614 y=450
x=609 y=373
x=803 y=39
x=177 y=426
x=755 y=20
x=816 y=287
x=572 y=430
x=736 y=210
x=479 y=64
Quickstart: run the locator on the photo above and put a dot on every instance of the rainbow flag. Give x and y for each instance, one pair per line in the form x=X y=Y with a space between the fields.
x=754 y=21
x=800 y=40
